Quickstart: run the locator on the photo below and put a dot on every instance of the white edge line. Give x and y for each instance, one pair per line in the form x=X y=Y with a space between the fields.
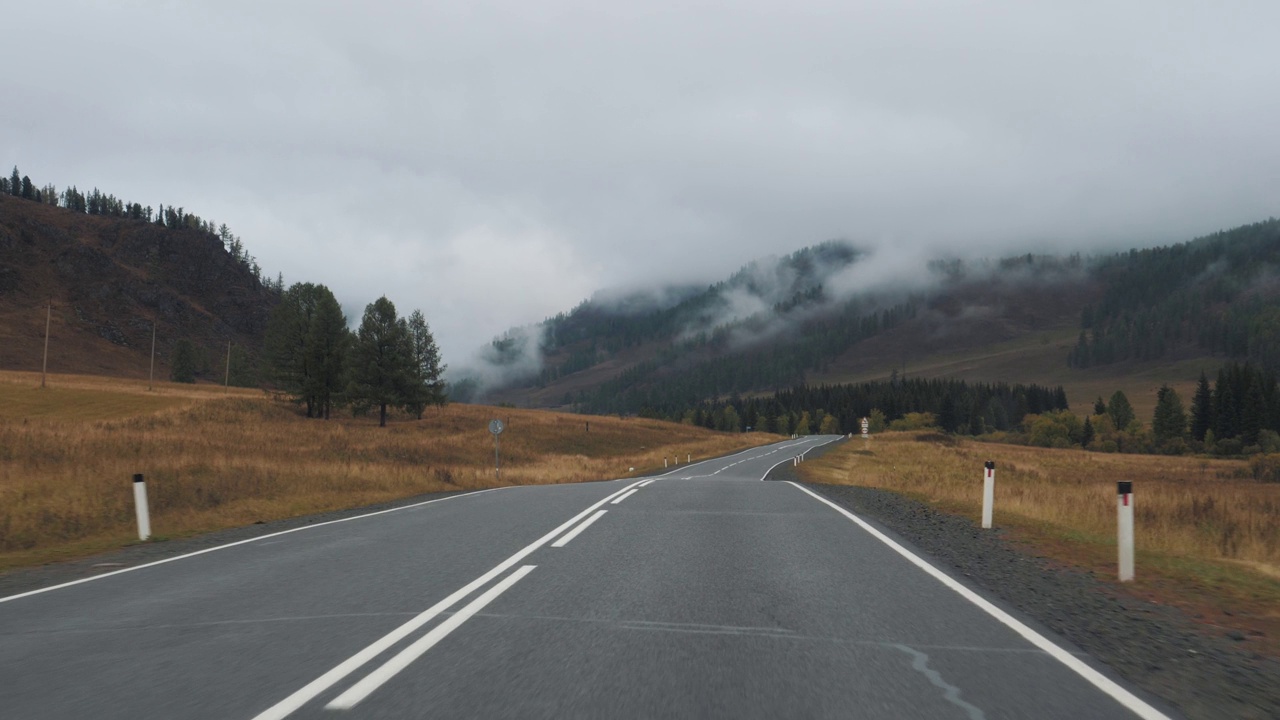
x=309 y=691
x=1097 y=679
x=645 y=483
x=628 y=494
x=578 y=530
x=404 y=658
x=766 y=472
x=241 y=542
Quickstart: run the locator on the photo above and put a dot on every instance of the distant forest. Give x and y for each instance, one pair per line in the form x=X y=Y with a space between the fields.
x=95 y=202
x=1219 y=293
x=956 y=406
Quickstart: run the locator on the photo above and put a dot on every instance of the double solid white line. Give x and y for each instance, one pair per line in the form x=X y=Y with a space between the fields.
x=326 y=681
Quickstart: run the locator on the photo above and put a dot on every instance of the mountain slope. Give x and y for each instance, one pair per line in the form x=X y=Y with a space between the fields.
x=108 y=279
x=837 y=313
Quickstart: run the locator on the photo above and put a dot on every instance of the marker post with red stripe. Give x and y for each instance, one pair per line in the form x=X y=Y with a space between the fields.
x=988 y=493
x=1124 y=524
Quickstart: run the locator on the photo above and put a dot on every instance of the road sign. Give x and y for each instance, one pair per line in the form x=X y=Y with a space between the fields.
x=495 y=426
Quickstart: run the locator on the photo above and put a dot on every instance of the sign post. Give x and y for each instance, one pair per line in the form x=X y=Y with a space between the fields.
x=866 y=429
x=1124 y=509
x=988 y=493
x=495 y=427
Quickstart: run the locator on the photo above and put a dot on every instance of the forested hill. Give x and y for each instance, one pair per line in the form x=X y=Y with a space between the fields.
x=766 y=327
x=787 y=321
x=110 y=268
x=1220 y=294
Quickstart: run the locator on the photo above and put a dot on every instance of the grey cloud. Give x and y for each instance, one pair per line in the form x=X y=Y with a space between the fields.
x=495 y=162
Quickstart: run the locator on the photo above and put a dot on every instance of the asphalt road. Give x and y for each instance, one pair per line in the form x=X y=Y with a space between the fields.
x=700 y=593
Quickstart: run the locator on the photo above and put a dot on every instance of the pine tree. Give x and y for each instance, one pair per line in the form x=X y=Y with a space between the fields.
x=1099 y=407
x=1086 y=433
x=381 y=360
x=1202 y=409
x=426 y=388
x=327 y=344
x=1170 y=421
x=1252 y=412
x=15 y=182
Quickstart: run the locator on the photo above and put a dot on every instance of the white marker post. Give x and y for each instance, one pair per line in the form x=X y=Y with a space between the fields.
x=988 y=493
x=140 y=502
x=1124 y=511
x=664 y=461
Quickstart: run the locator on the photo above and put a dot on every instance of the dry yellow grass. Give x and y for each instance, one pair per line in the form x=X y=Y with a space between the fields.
x=1207 y=534
x=1184 y=506
x=213 y=461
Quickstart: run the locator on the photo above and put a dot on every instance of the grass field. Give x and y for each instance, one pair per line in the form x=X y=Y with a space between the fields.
x=1040 y=358
x=214 y=460
x=1207 y=534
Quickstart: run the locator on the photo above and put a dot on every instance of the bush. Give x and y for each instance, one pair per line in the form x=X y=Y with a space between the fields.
x=915 y=421
x=1265 y=468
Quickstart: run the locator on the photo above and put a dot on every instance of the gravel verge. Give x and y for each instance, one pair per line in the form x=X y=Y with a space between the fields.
x=1157 y=648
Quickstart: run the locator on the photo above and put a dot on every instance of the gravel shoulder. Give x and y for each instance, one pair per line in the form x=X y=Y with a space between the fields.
x=1157 y=648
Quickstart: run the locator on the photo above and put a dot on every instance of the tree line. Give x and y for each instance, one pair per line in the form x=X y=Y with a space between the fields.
x=388 y=362
x=954 y=406
x=96 y=202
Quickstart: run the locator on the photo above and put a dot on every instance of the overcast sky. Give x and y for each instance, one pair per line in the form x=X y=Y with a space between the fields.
x=493 y=163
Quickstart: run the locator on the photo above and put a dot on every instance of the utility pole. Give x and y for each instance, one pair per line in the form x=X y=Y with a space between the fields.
x=226 y=383
x=44 y=369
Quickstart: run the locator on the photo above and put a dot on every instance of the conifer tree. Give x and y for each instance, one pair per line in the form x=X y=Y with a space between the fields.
x=1170 y=421
x=427 y=388
x=1201 y=409
x=381 y=360
x=328 y=341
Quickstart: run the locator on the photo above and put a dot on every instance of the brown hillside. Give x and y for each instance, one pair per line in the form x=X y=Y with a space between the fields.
x=109 y=279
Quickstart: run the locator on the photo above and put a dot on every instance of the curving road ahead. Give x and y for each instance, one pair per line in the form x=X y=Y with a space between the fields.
x=702 y=592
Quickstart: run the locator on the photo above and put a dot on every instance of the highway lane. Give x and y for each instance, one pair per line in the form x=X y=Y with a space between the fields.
x=702 y=593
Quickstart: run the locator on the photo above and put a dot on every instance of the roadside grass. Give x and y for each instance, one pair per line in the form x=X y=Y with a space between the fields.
x=1207 y=533
x=214 y=462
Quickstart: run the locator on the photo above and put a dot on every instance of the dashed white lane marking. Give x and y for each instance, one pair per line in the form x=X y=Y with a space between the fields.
x=624 y=496
x=645 y=483
x=308 y=692
x=392 y=667
x=578 y=530
x=766 y=472
x=1097 y=679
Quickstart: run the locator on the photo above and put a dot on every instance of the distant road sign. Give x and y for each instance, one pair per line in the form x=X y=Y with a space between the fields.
x=495 y=426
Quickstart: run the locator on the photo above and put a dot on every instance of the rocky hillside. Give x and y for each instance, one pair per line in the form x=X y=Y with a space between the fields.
x=109 y=279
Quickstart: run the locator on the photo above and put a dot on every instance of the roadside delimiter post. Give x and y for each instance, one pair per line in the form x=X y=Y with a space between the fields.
x=140 y=502
x=1124 y=511
x=988 y=492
